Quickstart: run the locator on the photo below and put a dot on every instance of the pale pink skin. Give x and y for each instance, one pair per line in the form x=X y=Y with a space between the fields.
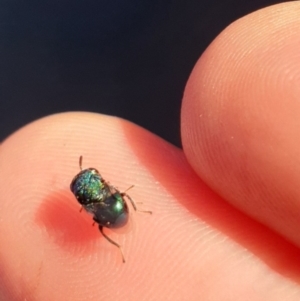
x=225 y=223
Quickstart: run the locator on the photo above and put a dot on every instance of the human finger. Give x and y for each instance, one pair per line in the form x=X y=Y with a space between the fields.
x=241 y=117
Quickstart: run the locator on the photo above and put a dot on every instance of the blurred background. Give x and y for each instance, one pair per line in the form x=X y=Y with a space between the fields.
x=124 y=58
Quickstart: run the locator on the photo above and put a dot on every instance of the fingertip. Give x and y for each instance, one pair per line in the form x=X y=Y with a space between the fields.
x=240 y=116
x=43 y=234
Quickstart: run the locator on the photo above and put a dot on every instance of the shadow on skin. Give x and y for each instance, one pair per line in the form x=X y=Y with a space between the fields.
x=60 y=215
x=192 y=193
x=64 y=222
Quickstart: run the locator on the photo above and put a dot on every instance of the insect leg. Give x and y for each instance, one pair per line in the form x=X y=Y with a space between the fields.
x=112 y=242
x=80 y=162
x=133 y=203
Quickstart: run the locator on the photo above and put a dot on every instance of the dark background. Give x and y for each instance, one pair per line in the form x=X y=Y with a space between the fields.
x=125 y=58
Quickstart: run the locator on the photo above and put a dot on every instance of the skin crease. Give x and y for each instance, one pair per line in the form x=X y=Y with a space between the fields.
x=196 y=245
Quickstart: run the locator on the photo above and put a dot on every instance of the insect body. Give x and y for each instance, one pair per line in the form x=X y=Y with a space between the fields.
x=105 y=202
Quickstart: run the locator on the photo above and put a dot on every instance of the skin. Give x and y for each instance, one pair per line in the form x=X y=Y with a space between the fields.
x=226 y=209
